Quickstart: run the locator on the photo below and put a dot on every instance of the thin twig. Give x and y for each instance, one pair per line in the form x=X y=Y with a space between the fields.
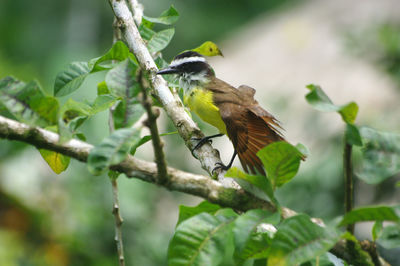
x=115 y=209
x=151 y=123
x=114 y=183
x=348 y=181
x=118 y=223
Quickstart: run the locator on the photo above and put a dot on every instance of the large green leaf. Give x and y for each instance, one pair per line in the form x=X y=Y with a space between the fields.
x=380 y=155
x=320 y=101
x=253 y=183
x=246 y=245
x=185 y=212
x=299 y=240
x=146 y=32
x=27 y=102
x=167 y=17
x=390 y=237
x=379 y=213
x=57 y=161
x=160 y=40
x=281 y=161
x=200 y=240
x=127 y=112
x=119 y=51
x=121 y=80
x=112 y=150
x=102 y=102
x=71 y=78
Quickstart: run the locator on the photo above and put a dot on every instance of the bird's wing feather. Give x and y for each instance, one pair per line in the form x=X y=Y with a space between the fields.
x=249 y=133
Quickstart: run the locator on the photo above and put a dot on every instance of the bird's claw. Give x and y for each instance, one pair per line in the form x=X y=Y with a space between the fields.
x=200 y=142
x=221 y=166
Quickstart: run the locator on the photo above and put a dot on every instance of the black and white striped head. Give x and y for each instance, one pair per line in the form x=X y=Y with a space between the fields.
x=191 y=68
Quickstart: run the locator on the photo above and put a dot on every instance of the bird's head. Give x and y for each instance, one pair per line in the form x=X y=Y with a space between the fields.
x=191 y=69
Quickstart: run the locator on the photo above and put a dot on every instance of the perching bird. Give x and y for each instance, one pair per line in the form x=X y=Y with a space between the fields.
x=232 y=111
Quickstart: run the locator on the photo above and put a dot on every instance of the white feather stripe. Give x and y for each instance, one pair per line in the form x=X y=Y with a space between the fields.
x=181 y=61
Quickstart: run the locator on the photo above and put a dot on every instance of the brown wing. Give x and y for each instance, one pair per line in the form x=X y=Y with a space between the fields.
x=248 y=125
x=249 y=133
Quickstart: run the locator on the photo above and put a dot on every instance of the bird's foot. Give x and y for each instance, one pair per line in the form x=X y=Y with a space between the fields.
x=201 y=141
x=221 y=166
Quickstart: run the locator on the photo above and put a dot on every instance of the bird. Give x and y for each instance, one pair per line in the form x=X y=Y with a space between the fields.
x=233 y=111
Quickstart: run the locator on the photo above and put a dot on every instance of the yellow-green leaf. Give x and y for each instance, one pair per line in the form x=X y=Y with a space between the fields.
x=57 y=161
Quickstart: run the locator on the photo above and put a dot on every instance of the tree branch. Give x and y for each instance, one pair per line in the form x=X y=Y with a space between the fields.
x=197 y=185
x=187 y=128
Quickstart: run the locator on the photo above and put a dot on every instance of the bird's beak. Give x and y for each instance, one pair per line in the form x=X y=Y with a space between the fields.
x=168 y=70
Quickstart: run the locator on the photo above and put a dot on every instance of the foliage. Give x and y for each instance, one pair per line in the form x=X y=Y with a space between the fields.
x=208 y=234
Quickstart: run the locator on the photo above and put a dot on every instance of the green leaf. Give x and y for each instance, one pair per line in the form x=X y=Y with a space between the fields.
x=160 y=40
x=72 y=109
x=320 y=101
x=146 y=32
x=71 y=78
x=102 y=88
x=186 y=212
x=302 y=149
x=281 y=161
x=112 y=150
x=119 y=51
x=349 y=112
x=380 y=213
x=226 y=214
x=245 y=226
x=127 y=113
x=167 y=17
x=102 y=102
x=299 y=240
x=121 y=80
x=390 y=237
x=380 y=156
x=377 y=230
x=57 y=161
x=27 y=102
x=145 y=139
x=260 y=182
x=72 y=115
x=200 y=240
x=353 y=136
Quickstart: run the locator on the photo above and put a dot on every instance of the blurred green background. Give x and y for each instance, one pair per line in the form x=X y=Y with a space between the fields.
x=48 y=219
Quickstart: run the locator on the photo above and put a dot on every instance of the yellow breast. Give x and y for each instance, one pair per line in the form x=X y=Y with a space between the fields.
x=201 y=102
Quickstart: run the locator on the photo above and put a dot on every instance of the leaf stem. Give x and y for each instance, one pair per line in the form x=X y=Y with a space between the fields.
x=348 y=180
